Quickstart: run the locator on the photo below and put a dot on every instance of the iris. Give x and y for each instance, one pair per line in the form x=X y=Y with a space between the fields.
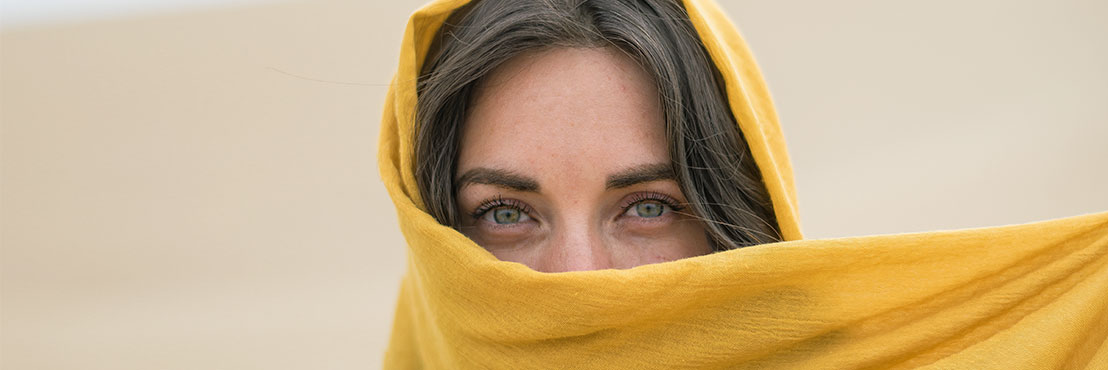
x=505 y=215
x=649 y=209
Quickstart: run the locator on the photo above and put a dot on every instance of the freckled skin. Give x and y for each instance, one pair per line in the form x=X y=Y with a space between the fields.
x=568 y=118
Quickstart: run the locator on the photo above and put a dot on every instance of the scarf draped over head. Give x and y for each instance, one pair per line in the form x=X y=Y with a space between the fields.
x=1031 y=296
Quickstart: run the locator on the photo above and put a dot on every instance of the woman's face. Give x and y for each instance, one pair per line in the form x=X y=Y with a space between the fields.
x=564 y=166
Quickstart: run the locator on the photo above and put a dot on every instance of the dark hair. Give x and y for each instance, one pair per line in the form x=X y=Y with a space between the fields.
x=711 y=160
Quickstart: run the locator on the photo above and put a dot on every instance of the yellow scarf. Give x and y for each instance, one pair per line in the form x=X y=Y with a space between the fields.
x=1032 y=296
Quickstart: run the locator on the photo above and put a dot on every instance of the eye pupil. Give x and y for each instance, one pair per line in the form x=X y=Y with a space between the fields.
x=649 y=209
x=505 y=215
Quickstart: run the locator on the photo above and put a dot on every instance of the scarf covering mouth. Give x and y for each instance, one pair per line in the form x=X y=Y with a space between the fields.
x=1030 y=296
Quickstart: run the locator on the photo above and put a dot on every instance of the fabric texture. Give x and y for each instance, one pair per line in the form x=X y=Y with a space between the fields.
x=1030 y=296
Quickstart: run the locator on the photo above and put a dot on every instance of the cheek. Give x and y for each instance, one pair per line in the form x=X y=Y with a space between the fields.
x=508 y=238
x=681 y=238
x=525 y=248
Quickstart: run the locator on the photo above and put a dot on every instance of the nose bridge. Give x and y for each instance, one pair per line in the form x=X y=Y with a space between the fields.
x=580 y=246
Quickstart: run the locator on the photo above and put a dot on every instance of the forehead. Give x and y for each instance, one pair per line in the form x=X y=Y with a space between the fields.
x=561 y=105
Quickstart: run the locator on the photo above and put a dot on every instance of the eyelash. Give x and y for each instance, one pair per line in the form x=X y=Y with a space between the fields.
x=494 y=203
x=498 y=202
x=650 y=195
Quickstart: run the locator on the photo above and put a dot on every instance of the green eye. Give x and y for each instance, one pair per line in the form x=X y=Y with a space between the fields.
x=503 y=212
x=505 y=215
x=649 y=209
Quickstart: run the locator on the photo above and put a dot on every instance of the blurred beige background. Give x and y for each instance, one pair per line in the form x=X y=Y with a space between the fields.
x=198 y=189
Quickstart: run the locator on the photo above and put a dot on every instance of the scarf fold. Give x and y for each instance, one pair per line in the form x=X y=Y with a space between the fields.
x=1030 y=296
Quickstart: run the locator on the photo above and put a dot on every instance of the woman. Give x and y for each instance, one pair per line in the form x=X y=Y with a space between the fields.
x=507 y=134
x=508 y=78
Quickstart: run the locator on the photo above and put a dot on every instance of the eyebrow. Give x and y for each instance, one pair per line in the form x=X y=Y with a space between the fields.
x=497 y=177
x=640 y=174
